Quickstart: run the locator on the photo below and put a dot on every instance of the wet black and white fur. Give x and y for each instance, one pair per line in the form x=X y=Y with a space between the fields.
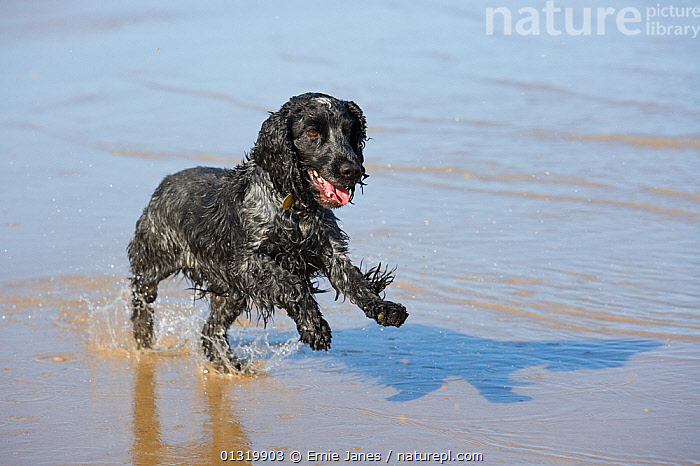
x=259 y=234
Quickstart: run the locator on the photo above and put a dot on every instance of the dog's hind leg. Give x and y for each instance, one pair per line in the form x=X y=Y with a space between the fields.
x=224 y=309
x=144 y=289
x=152 y=259
x=143 y=296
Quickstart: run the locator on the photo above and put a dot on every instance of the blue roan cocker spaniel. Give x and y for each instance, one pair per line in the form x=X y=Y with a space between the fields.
x=259 y=234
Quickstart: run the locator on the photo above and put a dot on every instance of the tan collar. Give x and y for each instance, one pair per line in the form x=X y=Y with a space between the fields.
x=288 y=202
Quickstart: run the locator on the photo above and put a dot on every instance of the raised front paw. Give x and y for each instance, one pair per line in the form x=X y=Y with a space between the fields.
x=389 y=314
x=318 y=336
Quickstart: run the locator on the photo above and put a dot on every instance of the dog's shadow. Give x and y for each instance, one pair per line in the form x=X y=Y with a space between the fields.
x=417 y=360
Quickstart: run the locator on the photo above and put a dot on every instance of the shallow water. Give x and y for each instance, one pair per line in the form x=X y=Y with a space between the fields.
x=538 y=194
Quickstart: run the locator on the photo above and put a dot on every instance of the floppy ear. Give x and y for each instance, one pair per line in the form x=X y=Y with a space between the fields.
x=360 y=138
x=275 y=153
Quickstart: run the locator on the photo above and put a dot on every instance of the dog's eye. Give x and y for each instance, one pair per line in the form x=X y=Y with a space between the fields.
x=312 y=133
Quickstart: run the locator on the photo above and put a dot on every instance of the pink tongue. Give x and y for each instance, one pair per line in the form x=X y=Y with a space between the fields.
x=337 y=193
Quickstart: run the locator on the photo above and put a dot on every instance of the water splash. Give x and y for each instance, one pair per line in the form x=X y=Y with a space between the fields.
x=108 y=322
x=271 y=355
x=177 y=331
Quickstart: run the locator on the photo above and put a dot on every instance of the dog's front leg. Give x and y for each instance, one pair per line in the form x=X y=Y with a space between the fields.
x=352 y=283
x=270 y=285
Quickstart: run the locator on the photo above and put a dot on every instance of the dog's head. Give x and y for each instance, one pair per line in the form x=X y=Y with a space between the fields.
x=312 y=149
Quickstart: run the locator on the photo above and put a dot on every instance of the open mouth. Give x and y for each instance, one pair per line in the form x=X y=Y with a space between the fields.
x=329 y=194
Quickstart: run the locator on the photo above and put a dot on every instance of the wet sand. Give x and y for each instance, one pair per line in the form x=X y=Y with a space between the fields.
x=70 y=367
x=538 y=194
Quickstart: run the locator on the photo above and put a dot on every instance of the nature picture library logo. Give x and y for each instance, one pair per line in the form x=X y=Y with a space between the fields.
x=658 y=20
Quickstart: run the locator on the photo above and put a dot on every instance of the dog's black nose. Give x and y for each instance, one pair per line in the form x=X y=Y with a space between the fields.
x=350 y=171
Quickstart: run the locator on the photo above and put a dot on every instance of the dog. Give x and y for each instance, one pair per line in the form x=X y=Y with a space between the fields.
x=260 y=234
